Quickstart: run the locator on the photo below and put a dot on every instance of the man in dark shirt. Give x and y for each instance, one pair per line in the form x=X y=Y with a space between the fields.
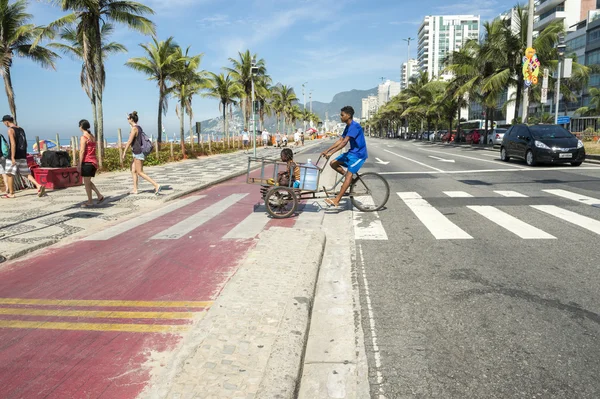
x=17 y=162
x=350 y=162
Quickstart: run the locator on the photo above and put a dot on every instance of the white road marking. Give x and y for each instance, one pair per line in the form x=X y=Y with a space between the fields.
x=475 y=159
x=511 y=223
x=248 y=228
x=439 y=225
x=460 y=172
x=442 y=159
x=374 y=231
x=492 y=155
x=458 y=194
x=375 y=348
x=193 y=222
x=571 y=217
x=511 y=194
x=417 y=162
x=142 y=219
x=574 y=196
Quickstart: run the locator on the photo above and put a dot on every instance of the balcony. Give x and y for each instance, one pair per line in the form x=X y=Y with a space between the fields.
x=542 y=23
x=546 y=5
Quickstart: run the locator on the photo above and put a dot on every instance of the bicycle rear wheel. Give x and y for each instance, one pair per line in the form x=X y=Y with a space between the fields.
x=369 y=192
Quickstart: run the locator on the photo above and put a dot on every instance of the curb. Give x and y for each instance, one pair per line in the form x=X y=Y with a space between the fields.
x=284 y=368
x=251 y=342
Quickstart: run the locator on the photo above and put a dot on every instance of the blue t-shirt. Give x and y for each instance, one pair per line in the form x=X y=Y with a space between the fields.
x=358 y=146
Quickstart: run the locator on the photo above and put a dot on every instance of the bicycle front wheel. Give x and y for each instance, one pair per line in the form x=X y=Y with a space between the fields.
x=369 y=192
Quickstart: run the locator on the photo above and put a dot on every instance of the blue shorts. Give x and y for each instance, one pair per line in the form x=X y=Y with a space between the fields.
x=139 y=157
x=350 y=162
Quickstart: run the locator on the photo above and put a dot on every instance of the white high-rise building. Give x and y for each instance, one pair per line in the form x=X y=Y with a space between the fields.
x=409 y=69
x=387 y=91
x=440 y=35
x=369 y=107
x=568 y=11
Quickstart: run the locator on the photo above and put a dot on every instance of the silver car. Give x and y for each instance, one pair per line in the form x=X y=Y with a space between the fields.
x=496 y=136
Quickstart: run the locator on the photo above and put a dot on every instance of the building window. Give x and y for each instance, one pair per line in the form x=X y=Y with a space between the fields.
x=593 y=57
x=576 y=43
x=560 y=7
x=593 y=36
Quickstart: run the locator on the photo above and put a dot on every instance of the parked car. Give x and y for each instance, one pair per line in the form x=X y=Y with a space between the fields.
x=473 y=136
x=542 y=144
x=495 y=137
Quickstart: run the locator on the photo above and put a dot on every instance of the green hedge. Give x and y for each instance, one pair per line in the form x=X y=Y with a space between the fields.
x=111 y=160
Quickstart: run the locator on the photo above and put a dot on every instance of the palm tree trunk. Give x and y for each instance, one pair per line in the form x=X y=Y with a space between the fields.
x=182 y=130
x=100 y=135
x=10 y=93
x=225 y=124
x=95 y=115
x=518 y=99
x=160 y=114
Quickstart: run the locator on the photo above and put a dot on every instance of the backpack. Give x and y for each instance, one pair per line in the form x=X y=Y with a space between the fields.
x=145 y=143
x=4 y=147
x=20 y=139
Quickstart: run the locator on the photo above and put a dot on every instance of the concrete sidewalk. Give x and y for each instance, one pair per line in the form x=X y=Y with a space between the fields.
x=28 y=223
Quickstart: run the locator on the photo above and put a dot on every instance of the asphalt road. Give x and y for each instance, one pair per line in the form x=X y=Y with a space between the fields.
x=470 y=291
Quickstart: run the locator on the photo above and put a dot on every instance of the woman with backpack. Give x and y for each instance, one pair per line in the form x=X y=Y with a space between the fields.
x=88 y=163
x=136 y=141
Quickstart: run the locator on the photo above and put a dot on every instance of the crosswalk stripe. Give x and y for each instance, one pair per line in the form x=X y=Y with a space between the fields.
x=439 y=225
x=193 y=222
x=374 y=230
x=248 y=228
x=511 y=194
x=121 y=228
x=458 y=194
x=574 y=196
x=511 y=223
x=571 y=217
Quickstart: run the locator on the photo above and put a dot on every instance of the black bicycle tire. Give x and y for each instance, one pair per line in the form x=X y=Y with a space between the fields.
x=276 y=215
x=387 y=197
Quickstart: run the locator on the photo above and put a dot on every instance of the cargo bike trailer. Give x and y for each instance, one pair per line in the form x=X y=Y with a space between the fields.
x=368 y=192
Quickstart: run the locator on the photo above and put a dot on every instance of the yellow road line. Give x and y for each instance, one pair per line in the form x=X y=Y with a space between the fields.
x=135 y=328
x=107 y=303
x=95 y=314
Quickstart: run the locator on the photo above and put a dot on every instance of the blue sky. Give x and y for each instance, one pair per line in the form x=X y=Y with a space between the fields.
x=335 y=45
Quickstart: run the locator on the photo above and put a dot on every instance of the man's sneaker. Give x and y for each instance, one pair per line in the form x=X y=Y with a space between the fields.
x=42 y=191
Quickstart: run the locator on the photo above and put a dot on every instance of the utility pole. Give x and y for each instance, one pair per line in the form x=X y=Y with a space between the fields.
x=304 y=101
x=561 y=47
x=407 y=58
x=254 y=71
x=530 y=16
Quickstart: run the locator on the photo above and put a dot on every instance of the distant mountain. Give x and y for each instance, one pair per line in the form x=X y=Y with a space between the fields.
x=324 y=110
x=340 y=100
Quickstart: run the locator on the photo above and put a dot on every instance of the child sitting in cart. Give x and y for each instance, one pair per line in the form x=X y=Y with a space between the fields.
x=292 y=172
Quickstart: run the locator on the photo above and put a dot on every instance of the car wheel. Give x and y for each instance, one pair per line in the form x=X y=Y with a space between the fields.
x=504 y=155
x=530 y=158
x=576 y=163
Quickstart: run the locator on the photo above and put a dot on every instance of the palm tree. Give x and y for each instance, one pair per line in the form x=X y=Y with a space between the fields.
x=187 y=81
x=89 y=17
x=226 y=91
x=295 y=114
x=285 y=98
x=594 y=107
x=18 y=39
x=159 y=64
x=74 y=48
x=263 y=95
x=241 y=72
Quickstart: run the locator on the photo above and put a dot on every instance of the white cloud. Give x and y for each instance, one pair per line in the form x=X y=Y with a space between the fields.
x=214 y=21
x=484 y=9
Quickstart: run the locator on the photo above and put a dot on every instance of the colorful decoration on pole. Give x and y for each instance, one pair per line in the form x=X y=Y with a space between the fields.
x=531 y=67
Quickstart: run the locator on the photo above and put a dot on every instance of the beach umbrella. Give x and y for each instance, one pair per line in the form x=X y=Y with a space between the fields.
x=48 y=143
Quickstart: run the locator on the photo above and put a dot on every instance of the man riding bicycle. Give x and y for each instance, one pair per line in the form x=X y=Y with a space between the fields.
x=350 y=162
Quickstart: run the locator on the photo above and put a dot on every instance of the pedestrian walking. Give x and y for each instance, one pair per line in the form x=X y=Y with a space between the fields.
x=135 y=142
x=265 y=138
x=88 y=162
x=16 y=164
x=278 y=139
x=302 y=138
x=297 y=138
x=4 y=154
x=245 y=139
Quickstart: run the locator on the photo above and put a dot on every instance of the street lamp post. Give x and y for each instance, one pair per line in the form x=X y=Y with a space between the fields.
x=407 y=59
x=304 y=101
x=560 y=47
x=254 y=71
